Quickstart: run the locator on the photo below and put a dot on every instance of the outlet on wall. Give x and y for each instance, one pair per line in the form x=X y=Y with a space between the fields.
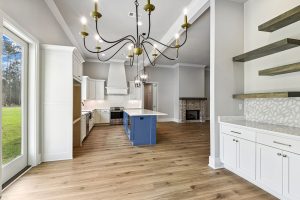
x=240 y=106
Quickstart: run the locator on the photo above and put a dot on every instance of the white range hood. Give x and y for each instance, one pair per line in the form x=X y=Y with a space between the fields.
x=116 y=83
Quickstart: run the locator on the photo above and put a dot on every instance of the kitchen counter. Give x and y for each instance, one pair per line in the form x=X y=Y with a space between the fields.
x=143 y=112
x=272 y=128
x=140 y=126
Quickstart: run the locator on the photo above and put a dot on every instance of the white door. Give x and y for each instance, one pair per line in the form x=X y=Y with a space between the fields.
x=14 y=105
x=246 y=158
x=291 y=176
x=229 y=151
x=269 y=168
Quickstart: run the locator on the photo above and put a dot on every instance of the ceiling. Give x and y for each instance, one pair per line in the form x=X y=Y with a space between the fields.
x=115 y=22
x=197 y=48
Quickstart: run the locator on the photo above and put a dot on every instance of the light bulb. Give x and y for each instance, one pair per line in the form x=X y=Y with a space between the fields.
x=103 y=54
x=185 y=11
x=130 y=47
x=97 y=38
x=83 y=21
x=140 y=23
x=176 y=36
x=155 y=46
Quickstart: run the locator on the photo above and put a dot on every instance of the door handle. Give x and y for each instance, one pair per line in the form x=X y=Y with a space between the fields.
x=288 y=145
x=236 y=132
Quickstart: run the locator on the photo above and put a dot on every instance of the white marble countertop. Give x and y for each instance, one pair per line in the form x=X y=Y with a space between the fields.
x=272 y=128
x=143 y=112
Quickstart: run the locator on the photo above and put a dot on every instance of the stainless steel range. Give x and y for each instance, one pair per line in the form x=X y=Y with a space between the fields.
x=116 y=115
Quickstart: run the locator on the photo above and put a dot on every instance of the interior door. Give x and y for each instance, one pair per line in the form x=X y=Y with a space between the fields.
x=14 y=105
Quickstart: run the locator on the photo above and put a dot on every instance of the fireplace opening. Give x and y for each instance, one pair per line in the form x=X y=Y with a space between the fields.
x=193 y=115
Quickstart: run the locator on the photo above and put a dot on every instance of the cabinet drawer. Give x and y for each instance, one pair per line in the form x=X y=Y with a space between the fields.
x=279 y=142
x=238 y=132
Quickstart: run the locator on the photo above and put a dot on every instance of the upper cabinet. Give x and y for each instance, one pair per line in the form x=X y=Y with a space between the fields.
x=134 y=93
x=92 y=89
x=77 y=66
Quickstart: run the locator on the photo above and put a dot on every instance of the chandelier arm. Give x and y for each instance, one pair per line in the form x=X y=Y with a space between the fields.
x=146 y=42
x=113 y=54
x=84 y=42
x=148 y=56
x=149 y=27
x=133 y=40
x=186 y=36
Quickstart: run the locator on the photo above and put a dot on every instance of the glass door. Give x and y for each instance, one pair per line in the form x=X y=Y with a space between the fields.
x=14 y=105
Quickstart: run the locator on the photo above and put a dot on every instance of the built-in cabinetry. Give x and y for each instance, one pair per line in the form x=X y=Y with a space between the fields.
x=77 y=66
x=83 y=128
x=57 y=120
x=135 y=93
x=270 y=161
x=92 y=89
x=102 y=116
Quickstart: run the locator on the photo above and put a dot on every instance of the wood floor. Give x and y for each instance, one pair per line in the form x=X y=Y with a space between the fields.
x=108 y=168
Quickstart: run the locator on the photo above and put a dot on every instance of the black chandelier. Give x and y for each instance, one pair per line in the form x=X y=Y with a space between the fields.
x=136 y=44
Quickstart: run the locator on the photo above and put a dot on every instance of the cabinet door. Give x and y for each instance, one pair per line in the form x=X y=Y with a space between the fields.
x=246 y=158
x=97 y=117
x=291 y=176
x=229 y=151
x=84 y=88
x=269 y=168
x=92 y=89
x=99 y=90
x=104 y=116
x=83 y=128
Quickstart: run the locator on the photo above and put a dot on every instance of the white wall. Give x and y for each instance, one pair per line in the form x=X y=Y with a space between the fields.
x=207 y=91
x=35 y=17
x=256 y=13
x=191 y=81
x=226 y=77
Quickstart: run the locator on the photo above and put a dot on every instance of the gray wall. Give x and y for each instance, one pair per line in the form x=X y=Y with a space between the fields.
x=36 y=18
x=191 y=82
x=207 y=91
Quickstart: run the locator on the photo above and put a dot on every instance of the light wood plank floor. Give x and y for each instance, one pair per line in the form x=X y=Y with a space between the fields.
x=108 y=168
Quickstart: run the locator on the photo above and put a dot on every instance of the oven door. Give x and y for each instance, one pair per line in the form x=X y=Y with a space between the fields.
x=116 y=115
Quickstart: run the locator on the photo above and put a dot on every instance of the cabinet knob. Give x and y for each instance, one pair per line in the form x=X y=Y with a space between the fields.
x=234 y=140
x=284 y=156
x=279 y=154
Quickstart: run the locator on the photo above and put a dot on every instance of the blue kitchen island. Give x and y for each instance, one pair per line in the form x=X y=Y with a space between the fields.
x=140 y=126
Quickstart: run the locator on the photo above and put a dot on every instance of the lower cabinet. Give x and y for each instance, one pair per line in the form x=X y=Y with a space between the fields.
x=102 y=116
x=278 y=171
x=239 y=155
x=269 y=161
x=83 y=128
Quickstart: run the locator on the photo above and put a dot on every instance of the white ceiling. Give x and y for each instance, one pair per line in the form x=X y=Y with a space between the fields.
x=115 y=22
x=197 y=48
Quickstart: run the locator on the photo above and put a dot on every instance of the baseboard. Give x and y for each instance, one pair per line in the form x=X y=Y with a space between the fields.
x=215 y=163
x=57 y=157
x=166 y=120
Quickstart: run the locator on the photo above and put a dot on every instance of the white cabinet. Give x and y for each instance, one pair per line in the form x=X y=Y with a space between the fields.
x=291 y=175
x=238 y=155
x=102 y=116
x=270 y=161
x=83 y=128
x=77 y=66
x=134 y=92
x=99 y=89
x=92 y=89
x=269 y=168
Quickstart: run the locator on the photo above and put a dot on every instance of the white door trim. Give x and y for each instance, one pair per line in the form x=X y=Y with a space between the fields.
x=34 y=154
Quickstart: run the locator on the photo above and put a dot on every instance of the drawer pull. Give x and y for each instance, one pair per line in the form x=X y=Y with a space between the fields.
x=288 y=145
x=284 y=156
x=279 y=154
x=236 y=132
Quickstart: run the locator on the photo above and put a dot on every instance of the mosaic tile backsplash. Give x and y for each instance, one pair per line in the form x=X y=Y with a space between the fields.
x=281 y=111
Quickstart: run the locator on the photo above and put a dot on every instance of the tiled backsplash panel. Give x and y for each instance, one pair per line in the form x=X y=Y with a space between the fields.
x=282 y=111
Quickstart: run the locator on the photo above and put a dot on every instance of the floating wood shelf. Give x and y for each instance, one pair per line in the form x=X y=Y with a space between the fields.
x=280 y=70
x=273 y=48
x=266 y=95
x=281 y=21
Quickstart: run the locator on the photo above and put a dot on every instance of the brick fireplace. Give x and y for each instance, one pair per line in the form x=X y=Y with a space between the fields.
x=192 y=109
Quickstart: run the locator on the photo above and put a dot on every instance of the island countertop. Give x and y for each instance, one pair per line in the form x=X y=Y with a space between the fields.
x=143 y=112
